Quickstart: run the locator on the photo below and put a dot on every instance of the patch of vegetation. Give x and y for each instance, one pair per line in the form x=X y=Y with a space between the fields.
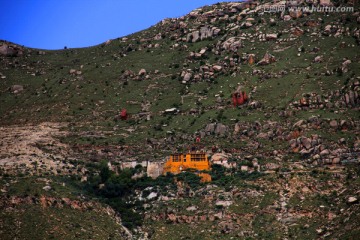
x=229 y=177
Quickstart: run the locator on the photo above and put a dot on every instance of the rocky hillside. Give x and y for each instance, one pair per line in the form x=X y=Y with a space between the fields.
x=287 y=160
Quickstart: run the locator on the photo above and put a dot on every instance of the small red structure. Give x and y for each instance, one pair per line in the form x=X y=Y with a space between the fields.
x=123 y=114
x=239 y=98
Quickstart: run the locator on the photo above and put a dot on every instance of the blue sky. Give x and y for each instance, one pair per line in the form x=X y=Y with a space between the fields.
x=53 y=24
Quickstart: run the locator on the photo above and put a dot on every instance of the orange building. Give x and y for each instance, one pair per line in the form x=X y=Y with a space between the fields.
x=182 y=162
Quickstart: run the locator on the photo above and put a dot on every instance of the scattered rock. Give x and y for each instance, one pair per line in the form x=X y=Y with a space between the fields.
x=352 y=200
x=272 y=166
x=187 y=77
x=318 y=59
x=15 y=89
x=217 y=68
x=295 y=13
x=152 y=195
x=224 y=203
x=287 y=18
x=171 y=110
x=191 y=208
x=267 y=59
x=324 y=152
x=244 y=168
x=47 y=188
x=333 y=124
x=142 y=72
x=345 y=66
x=306 y=142
x=271 y=36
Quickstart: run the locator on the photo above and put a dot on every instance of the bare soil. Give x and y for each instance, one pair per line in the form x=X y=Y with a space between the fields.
x=33 y=147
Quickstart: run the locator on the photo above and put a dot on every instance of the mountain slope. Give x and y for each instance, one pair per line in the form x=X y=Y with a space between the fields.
x=294 y=145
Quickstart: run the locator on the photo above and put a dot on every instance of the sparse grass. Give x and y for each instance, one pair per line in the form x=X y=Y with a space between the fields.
x=35 y=222
x=61 y=186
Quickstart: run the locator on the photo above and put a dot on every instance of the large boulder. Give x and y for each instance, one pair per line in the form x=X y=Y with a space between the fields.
x=351 y=98
x=158 y=37
x=219 y=157
x=9 y=51
x=204 y=33
x=345 y=66
x=216 y=128
x=193 y=37
x=352 y=200
x=306 y=142
x=267 y=59
x=187 y=77
x=210 y=128
x=217 y=68
x=221 y=129
x=222 y=159
x=232 y=44
x=271 y=36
